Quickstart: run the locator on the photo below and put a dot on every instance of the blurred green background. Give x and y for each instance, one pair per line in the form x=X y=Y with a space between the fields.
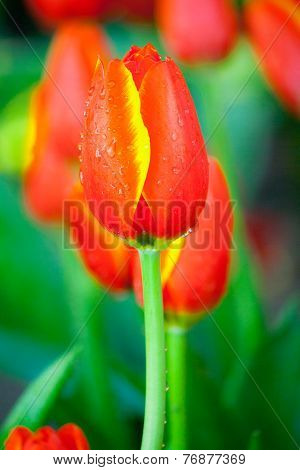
x=244 y=362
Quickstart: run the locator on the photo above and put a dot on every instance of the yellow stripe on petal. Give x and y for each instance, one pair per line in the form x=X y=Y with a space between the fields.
x=136 y=137
x=116 y=146
x=170 y=257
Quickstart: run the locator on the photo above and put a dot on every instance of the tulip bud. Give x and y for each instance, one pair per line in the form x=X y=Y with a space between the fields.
x=144 y=165
x=197 y=272
x=56 y=115
x=52 y=12
x=105 y=256
x=198 y=30
x=274 y=30
x=68 y=437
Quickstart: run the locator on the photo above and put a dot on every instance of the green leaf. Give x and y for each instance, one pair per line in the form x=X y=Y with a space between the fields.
x=13 y=128
x=273 y=390
x=35 y=403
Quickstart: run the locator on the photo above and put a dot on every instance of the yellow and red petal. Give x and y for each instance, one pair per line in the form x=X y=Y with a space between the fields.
x=200 y=276
x=177 y=179
x=139 y=60
x=198 y=30
x=17 y=438
x=72 y=437
x=274 y=29
x=115 y=150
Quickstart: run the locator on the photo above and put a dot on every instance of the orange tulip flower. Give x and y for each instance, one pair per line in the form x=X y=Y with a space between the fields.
x=144 y=165
x=68 y=437
x=106 y=257
x=198 y=30
x=196 y=274
x=56 y=116
x=274 y=30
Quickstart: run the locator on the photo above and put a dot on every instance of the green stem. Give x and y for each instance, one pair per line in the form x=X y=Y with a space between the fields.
x=153 y=432
x=176 y=398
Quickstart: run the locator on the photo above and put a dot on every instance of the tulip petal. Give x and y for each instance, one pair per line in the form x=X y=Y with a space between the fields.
x=72 y=438
x=105 y=256
x=200 y=276
x=116 y=149
x=177 y=179
x=17 y=438
x=274 y=30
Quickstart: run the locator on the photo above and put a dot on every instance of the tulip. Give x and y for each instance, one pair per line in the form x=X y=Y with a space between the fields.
x=198 y=30
x=56 y=115
x=195 y=273
x=144 y=165
x=195 y=280
x=274 y=30
x=68 y=437
x=144 y=172
x=51 y=12
x=105 y=256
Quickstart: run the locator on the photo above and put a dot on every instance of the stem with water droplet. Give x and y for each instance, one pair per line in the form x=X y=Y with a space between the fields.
x=154 y=419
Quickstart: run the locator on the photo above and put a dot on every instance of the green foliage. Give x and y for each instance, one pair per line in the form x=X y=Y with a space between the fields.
x=35 y=403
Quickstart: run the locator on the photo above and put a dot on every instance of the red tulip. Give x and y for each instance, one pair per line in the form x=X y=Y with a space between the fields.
x=198 y=30
x=56 y=116
x=144 y=165
x=105 y=256
x=195 y=275
x=68 y=437
x=274 y=30
x=51 y=12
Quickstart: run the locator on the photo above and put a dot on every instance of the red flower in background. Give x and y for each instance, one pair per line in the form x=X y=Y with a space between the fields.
x=56 y=117
x=274 y=30
x=144 y=165
x=50 y=13
x=195 y=275
x=198 y=30
x=68 y=437
x=105 y=256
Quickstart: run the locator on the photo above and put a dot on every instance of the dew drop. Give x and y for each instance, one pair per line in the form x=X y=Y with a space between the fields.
x=98 y=153
x=102 y=93
x=81 y=135
x=111 y=149
x=81 y=177
x=121 y=192
x=79 y=147
x=174 y=136
x=80 y=158
x=85 y=113
x=158 y=182
x=180 y=121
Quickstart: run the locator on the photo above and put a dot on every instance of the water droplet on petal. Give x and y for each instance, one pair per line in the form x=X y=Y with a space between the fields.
x=102 y=93
x=98 y=153
x=180 y=121
x=111 y=149
x=81 y=177
x=174 y=136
